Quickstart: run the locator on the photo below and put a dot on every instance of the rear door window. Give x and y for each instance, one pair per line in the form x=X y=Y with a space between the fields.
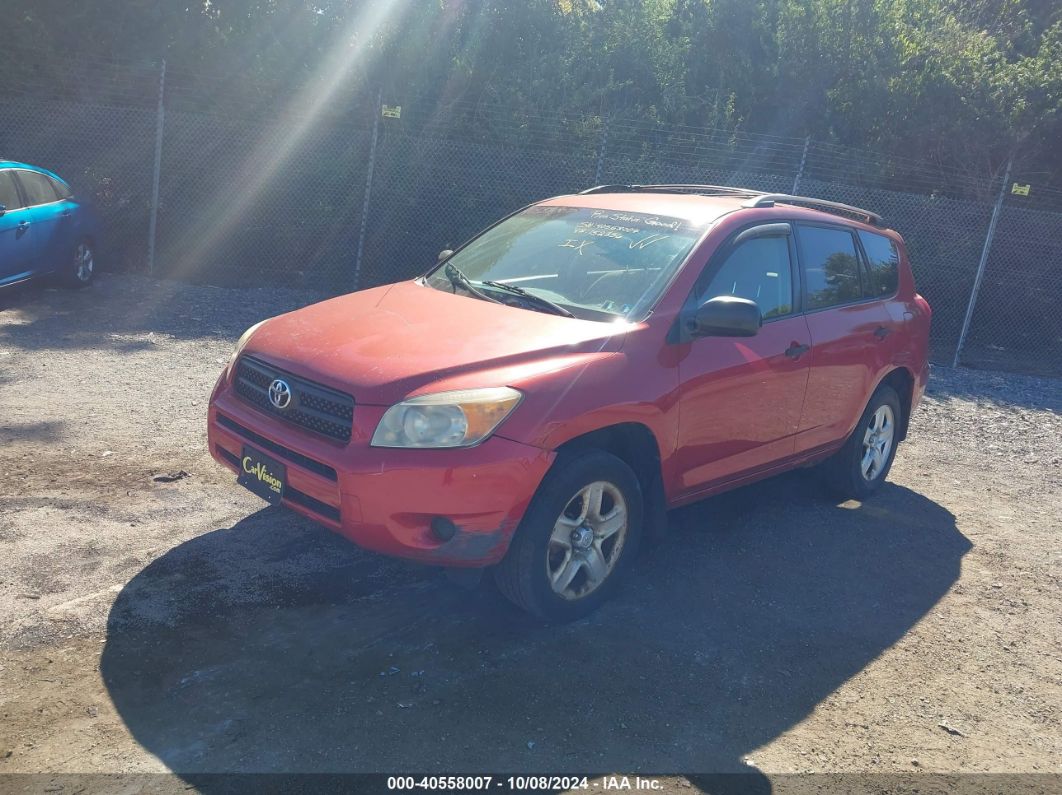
x=9 y=191
x=883 y=264
x=37 y=187
x=831 y=266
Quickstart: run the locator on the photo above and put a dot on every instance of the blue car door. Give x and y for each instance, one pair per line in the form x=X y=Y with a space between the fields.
x=46 y=215
x=17 y=253
x=69 y=220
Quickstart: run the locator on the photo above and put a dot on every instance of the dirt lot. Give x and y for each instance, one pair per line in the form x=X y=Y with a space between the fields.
x=152 y=626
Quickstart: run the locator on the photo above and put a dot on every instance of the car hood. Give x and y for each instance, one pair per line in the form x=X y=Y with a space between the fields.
x=384 y=344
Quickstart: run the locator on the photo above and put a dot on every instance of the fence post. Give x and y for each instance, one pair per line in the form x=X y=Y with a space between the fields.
x=159 y=122
x=800 y=169
x=601 y=151
x=981 y=265
x=368 y=186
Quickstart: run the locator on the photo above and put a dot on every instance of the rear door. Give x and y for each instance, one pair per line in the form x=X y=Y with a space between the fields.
x=16 y=232
x=45 y=213
x=850 y=333
x=66 y=226
x=881 y=282
x=740 y=398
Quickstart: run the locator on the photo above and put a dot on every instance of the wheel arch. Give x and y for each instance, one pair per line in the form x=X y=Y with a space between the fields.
x=636 y=445
x=902 y=380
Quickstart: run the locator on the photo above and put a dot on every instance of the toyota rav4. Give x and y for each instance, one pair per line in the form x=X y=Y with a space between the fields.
x=539 y=398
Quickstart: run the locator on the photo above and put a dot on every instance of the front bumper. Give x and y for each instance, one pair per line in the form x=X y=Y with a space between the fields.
x=384 y=499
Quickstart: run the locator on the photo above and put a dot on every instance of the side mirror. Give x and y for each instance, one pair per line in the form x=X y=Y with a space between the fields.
x=446 y=252
x=3 y=209
x=726 y=316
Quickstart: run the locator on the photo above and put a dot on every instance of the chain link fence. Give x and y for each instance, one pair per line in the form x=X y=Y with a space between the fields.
x=346 y=198
x=1017 y=323
x=230 y=214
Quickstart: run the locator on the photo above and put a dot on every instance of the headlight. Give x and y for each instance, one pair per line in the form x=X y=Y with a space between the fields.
x=460 y=418
x=243 y=341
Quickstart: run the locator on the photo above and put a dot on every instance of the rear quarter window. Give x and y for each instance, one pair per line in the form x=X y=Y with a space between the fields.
x=883 y=265
x=62 y=190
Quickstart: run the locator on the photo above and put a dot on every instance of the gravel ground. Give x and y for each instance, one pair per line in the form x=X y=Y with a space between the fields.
x=182 y=625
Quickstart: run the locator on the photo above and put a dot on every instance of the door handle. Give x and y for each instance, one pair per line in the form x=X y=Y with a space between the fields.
x=65 y=213
x=881 y=332
x=22 y=226
x=796 y=350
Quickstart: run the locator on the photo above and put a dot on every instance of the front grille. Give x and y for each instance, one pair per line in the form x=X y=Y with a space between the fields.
x=305 y=462
x=314 y=407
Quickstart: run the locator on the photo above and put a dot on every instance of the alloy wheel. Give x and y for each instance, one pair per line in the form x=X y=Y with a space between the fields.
x=587 y=540
x=83 y=263
x=877 y=442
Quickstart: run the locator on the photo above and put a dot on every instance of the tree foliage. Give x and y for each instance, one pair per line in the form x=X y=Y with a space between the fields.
x=965 y=83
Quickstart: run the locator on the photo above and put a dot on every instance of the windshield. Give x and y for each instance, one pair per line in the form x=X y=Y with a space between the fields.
x=596 y=264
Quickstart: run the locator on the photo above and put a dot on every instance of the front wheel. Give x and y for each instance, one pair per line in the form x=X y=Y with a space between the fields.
x=577 y=539
x=81 y=267
x=859 y=468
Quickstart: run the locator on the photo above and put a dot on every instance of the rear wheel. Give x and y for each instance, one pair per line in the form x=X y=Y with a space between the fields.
x=81 y=268
x=859 y=468
x=577 y=539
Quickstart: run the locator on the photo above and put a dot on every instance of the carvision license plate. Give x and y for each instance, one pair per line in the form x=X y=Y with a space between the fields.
x=263 y=475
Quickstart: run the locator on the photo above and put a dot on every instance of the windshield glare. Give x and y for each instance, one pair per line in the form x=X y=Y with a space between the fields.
x=597 y=264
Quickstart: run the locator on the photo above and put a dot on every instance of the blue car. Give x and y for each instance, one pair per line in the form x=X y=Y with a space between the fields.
x=44 y=228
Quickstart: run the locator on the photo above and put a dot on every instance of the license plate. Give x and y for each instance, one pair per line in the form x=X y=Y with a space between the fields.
x=263 y=475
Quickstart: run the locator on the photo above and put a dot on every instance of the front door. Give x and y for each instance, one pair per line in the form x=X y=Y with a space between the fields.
x=741 y=398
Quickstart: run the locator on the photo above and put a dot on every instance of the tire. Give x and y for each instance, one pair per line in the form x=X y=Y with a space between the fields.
x=79 y=269
x=853 y=472
x=588 y=561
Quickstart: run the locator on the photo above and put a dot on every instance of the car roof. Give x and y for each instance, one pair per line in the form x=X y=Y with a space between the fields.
x=702 y=205
x=28 y=167
x=696 y=210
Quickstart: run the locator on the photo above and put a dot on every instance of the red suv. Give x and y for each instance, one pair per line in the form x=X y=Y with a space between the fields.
x=539 y=398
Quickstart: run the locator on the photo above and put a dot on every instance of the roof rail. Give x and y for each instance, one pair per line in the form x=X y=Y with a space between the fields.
x=726 y=190
x=769 y=200
x=756 y=198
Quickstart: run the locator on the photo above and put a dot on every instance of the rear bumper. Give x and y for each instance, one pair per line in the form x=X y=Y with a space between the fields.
x=384 y=499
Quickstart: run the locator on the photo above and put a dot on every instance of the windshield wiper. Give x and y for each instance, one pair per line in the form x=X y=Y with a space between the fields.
x=538 y=300
x=458 y=279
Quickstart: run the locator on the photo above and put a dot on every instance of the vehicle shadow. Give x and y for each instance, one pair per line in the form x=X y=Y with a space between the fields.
x=274 y=646
x=41 y=432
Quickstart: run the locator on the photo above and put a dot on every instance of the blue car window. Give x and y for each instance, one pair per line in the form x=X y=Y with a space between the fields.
x=37 y=187
x=62 y=190
x=9 y=191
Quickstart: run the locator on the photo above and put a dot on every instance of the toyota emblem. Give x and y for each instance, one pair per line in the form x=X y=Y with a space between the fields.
x=280 y=394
